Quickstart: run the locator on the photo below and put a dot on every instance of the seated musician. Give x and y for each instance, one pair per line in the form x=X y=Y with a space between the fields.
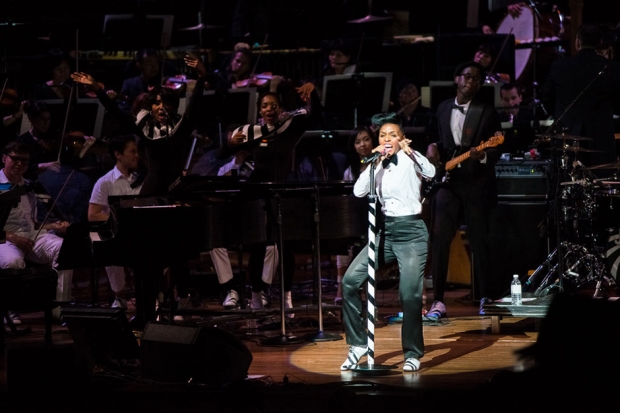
x=149 y=65
x=519 y=134
x=417 y=119
x=27 y=240
x=165 y=139
x=121 y=180
x=271 y=143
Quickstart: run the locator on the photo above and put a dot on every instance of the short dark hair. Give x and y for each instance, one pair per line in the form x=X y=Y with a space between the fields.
x=487 y=48
x=590 y=35
x=146 y=52
x=35 y=108
x=119 y=143
x=340 y=44
x=459 y=69
x=381 y=119
x=16 y=146
x=509 y=86
x=55 y=57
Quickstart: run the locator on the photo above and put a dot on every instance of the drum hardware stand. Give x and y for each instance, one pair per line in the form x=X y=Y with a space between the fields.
x=321 y=335
x=563 y=166
x=579 y=257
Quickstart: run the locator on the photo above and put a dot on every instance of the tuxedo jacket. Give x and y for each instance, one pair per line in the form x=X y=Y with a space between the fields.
x=481 y=123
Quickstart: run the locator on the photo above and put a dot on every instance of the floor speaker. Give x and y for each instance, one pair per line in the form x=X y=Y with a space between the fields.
x=518 y=242
x=35 y=367
x=178 y=354
x=101 y=335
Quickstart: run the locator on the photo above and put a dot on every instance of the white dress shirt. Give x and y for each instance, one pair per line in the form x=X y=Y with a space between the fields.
x=398 y=185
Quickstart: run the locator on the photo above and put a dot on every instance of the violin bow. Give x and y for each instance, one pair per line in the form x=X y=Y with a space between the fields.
x=64 y=126
x=3 y=87
x=496 y=58
x=262 y=46
x=401 y=110
x=77 y=50
x=51 y=208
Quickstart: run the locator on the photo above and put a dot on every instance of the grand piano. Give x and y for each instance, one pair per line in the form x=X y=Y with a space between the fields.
x=201 y=213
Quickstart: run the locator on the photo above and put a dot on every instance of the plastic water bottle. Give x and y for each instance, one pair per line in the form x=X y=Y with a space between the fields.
x=515 y=290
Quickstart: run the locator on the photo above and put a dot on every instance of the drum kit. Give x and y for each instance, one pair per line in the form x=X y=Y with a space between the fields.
x=587 y=211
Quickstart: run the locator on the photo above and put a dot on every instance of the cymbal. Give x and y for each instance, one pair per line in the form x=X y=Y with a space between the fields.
x=564 y=137
x=579 y=182
x=572 y=149
x=613 y=165
x=610 y=182
x=202 y=26
x=370 y=19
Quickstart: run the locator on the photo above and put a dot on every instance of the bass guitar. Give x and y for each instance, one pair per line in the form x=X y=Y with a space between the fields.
x=442 y=172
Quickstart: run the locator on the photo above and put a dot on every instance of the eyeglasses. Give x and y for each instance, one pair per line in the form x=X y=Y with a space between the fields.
x=468 y=77
x=17 y=159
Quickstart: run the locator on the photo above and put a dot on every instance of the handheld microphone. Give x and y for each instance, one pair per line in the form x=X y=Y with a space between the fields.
x=373 y=156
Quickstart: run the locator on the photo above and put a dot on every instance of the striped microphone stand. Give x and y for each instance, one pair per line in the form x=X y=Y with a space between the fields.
x=370 y=366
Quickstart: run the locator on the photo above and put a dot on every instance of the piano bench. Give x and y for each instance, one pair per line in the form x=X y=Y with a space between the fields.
x=30 y=289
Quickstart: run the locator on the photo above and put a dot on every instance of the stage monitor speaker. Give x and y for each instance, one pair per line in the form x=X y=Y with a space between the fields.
x=101 y=334
x=176 y=354
x=580 y=326
x=518 y=242
x=38 y=368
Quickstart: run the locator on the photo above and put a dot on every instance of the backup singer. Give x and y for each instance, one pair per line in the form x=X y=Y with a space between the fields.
x=164 y=134
x=402 y=237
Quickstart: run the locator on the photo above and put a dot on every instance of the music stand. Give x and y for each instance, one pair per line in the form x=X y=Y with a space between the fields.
x=227 y=107
x=86 y=115
x=349 y=99
x=135 y=31
x=321 y=335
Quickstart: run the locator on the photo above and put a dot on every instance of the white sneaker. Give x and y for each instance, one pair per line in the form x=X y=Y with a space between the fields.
x=257 y=300
x=437 y=311
x=231 y=300
x=119 y=303
x=354 y=356
x=185 y=303
x=288 y=303
x=411 y=364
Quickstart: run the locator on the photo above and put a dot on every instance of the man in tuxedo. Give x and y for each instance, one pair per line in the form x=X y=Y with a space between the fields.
x=470 y=192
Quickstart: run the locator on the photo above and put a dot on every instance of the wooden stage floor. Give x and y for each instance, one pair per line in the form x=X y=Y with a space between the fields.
x=459 y=371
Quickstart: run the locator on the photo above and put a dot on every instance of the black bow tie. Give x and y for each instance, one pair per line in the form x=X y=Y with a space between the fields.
x=459 y=108
x=392 y=159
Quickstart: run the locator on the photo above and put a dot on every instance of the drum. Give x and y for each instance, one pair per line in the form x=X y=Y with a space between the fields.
x=612 y=255
x=532 y=26
x=607 y=215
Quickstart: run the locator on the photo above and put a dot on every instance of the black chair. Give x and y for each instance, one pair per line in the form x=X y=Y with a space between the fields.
x=29 y=289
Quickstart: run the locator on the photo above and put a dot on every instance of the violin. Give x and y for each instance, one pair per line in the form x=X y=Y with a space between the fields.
x=256 y=80
x=176 y=82
x=498 y=78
